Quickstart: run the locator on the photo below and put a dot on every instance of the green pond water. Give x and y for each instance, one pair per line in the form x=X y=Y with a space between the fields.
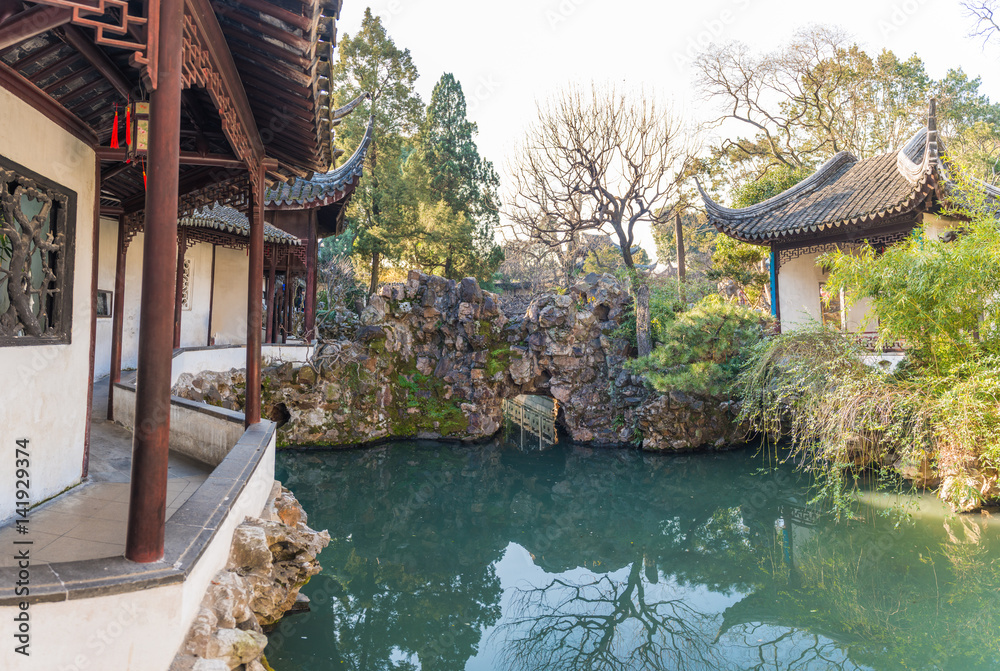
x=495 y=556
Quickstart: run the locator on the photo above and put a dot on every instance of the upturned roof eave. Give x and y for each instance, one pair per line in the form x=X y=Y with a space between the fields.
x=331 y=187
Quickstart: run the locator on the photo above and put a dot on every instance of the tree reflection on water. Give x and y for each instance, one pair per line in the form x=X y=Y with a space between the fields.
x=603 y=623
x=449 y=557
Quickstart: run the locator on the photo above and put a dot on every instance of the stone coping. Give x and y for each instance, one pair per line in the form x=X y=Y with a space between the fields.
x=224 y=414
x=205 y=348
x=188 y=533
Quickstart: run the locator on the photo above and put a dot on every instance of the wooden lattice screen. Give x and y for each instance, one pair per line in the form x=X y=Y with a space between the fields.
x=37 y=230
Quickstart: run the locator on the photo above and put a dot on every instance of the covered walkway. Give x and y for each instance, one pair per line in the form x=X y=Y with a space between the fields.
x=88 y=521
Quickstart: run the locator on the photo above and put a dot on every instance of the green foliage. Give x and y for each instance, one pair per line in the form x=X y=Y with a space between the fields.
x=337 y=246
x=699 y=240
x=842 y=416
x=703 y=349
x=825 y=94
x=499 y=360
x=428 y=200
x=741 y=263
x=457 y=174
x=606 y=257
x=937 y=297
x=455 y=190
x=667 y=299
x=370 y=62
x=770 y=184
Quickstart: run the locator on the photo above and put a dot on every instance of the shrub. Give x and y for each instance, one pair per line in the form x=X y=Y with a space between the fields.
x=702 y=350
x=937 y=297
x=841 y=416
x=667 y=299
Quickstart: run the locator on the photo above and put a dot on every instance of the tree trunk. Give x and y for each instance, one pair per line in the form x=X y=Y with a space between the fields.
x=642 y=335
x=376 y=262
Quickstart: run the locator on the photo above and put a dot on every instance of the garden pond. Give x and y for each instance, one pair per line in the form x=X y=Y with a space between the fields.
x=506 y=556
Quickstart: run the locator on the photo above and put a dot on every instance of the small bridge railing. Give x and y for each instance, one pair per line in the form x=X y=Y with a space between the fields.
x=536 y=419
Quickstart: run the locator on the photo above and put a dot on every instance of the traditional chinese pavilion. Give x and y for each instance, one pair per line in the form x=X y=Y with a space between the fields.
x=138 y=139
x=310 y=209
x=847 y=202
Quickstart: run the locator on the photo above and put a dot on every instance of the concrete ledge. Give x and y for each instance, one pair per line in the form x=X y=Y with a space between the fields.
x=114 y=614
x=221 y=358
x=197 y=430
x=188 y=532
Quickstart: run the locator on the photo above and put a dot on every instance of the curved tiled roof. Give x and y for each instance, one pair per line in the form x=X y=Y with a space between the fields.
x=219 y=218
x=845 y=192
x=323 y=189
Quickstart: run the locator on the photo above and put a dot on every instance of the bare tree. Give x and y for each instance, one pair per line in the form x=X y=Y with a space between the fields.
x=984 y=14
x=598 y=159
x=816 y=96
x=530 y=262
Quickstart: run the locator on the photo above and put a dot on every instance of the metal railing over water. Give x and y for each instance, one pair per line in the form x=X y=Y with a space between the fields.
x=535 y=416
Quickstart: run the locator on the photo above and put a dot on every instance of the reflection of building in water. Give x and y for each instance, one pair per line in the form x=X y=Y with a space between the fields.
x=535 y=417
x=795 y=524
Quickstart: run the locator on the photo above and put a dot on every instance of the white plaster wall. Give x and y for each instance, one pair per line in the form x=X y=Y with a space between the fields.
x=136 y=631
x=935 y=225
x=229 y=316
x=275 y=354
x=861 y=317
x=105 y=282
x=43 y=396
x=798 y=289
x=133 y=294
x=194 y=322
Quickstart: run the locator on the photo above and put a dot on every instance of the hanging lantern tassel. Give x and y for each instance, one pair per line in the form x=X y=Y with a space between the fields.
x=128 y=125
x=145 y=185
x=114 y=131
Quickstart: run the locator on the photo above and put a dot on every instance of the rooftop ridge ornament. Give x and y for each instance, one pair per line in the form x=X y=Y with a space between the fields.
x=87 y=14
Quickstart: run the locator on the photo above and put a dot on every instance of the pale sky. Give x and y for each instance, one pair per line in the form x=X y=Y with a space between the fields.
x=509 y=54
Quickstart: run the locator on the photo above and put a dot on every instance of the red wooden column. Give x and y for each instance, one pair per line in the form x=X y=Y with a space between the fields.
x=289 y=300
x=95 y=266
x=179 y=285
x=272 y=292
x=117 y=316
x=211 y=299
x=312 y=259
x=255 y=289
x=151 y=438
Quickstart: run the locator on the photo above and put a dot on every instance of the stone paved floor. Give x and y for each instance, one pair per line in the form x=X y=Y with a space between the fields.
x=89 y=521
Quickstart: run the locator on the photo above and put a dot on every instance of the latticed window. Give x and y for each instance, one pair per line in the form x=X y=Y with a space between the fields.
x=37 y=221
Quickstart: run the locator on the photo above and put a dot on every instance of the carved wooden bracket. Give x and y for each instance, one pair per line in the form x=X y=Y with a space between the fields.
x=97 y=14
x=200 y=69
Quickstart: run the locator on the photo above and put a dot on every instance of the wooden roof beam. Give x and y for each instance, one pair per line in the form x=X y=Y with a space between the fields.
x=74 y=37
x=300 y=21
x=214 y=42
x=38 y=55
x=32 y=22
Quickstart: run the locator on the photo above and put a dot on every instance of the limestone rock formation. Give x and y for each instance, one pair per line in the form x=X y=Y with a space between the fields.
x=679 y=422
x=434 y=358
x=271 y=558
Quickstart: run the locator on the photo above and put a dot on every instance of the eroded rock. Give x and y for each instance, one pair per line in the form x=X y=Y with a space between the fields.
x=270 y=560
